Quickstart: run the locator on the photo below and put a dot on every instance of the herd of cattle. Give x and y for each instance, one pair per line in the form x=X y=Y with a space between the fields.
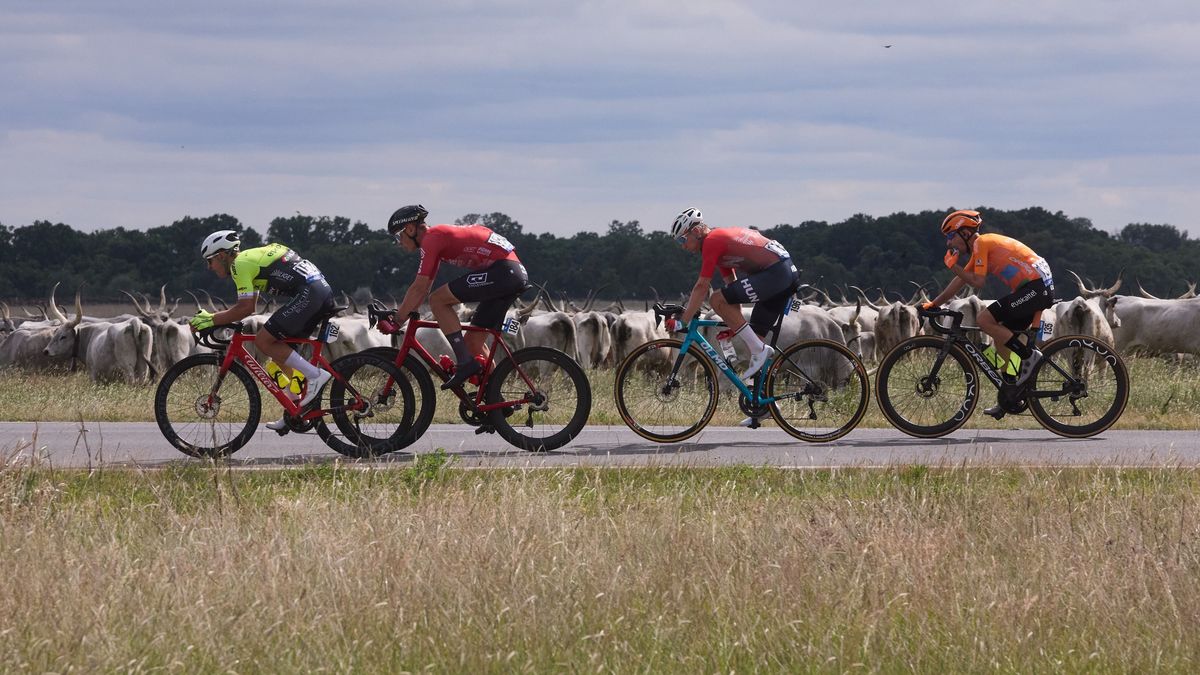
x=139 y=347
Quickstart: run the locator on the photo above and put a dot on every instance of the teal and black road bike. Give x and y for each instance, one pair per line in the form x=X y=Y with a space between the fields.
x=667 y=390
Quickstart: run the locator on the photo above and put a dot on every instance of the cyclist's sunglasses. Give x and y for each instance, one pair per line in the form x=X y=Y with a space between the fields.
x=682 y=239
x=397 y=236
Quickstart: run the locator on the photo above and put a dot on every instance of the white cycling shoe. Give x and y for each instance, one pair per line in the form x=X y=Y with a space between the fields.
x=278 y=425
x=757 y=361
x=315 y=384
x=753 y=422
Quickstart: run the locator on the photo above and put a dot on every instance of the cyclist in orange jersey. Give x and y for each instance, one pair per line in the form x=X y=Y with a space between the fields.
x=1026 y=273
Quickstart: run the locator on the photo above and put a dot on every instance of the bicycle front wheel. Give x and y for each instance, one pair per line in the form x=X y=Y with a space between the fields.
x=555 y=393
x=202 y=416
x=919 y=400
x=373 y=408
x=1080 y=387
x=821 y=390
x=406 y=404
x=664 y=406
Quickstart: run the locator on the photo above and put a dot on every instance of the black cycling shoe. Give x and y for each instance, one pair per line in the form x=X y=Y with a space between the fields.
x=461 y=372
x=995 y=411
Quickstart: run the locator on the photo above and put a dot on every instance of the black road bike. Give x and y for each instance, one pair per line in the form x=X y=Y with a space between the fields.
x=928 y=385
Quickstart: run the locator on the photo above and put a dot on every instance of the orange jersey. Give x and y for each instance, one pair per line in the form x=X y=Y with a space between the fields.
x=1014 y=262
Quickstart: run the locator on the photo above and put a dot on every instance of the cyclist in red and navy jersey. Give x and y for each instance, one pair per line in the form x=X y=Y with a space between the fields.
x=495 y=279
x=755 y=269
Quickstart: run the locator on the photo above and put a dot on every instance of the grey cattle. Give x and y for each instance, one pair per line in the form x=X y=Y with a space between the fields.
x=109 y=350
x=1083 y=316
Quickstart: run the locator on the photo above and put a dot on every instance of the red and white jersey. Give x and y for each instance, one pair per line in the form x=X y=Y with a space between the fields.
x=473 y=247
x=736 y=248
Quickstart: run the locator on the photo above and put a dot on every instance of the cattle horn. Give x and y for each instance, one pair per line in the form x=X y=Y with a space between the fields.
x=78 y=307
x=1144 y=293
x=136 y=304
x=1191 y=291
x=864 y=298
x=198 y=307
x=53 y=312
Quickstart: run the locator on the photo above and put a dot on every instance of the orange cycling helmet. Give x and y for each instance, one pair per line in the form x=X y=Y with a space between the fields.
x=960 y=219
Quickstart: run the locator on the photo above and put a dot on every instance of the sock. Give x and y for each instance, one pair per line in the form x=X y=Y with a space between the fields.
x=750 y=339
x=1020 y=348
x=459 y=345
x=297 y=362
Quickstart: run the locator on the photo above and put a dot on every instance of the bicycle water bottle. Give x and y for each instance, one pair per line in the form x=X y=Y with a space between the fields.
x=725 y=338
x=293 y=384
x=1012 y=367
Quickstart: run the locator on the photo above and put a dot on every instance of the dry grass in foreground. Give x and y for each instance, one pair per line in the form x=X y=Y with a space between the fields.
x=649 y=570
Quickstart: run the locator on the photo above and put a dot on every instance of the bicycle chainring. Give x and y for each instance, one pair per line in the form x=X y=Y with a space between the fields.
x=752 y=410
x=469 y=414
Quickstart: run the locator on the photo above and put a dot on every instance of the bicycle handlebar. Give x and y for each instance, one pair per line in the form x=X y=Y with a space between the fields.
x=208 y=337
x=931 y=314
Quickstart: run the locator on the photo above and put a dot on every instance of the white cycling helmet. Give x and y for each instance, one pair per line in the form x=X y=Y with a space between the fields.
x=686 y=221
x=222 y=240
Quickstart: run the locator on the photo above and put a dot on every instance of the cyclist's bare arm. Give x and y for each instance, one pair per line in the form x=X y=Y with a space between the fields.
x=698 y=296
x=417 y=292
x=952 y=290
x=976 y=280
x=244 y=308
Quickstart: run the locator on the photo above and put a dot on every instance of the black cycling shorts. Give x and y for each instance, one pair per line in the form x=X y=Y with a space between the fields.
x=769 y=289
x=1016 y=310
x=300 y=316
x=494 y=287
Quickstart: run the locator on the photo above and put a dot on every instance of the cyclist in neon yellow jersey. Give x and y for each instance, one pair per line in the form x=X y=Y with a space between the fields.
x=273 y=268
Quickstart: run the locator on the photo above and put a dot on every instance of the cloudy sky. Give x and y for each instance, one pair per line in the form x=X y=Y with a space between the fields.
x=567 y=115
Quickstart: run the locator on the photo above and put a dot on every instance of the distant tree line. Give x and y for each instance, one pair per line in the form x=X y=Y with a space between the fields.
x=624 y=261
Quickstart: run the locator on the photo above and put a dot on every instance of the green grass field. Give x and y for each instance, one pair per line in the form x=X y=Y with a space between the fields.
x=1165 y=395
x=634 y=570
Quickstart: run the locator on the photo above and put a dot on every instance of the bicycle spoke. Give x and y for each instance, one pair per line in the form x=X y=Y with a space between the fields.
x=659 y=406
x=916 y=400
x=822 y=391
x=1089 y=397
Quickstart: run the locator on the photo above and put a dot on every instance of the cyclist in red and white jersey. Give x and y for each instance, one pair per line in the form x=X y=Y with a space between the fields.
x=755 y=269
x=495 y=278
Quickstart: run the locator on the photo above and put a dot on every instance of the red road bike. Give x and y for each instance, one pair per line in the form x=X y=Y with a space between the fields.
x=536 y=398
x=207 y=405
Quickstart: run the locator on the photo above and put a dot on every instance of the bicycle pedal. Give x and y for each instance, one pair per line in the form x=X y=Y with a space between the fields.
x=485 y=429
x=283 y=432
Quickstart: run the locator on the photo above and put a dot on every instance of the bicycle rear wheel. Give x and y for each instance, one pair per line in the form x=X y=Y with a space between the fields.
x=410 y=405
x=822 y=390
x=920 y=402
x=658 y=406
x=557 y=395
x=201 y=418
x=369 y=408
x=1089 y=397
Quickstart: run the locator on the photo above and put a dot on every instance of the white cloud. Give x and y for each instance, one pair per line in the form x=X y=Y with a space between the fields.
x=567 y=115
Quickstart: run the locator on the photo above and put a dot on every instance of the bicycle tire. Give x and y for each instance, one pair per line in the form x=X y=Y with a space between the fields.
x=558 y=423
x=424 y=397
x=1106 y=393
x=830 y=385
x=372 y=432
x=650 y=406
x=193 y=429
x=921 y=408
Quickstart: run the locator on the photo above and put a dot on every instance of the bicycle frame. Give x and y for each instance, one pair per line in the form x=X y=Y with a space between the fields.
x=954 y=335
x=410 y=345
x=236 y=351
x=694 y=337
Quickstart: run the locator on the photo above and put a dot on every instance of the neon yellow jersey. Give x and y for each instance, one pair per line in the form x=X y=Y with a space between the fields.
x=273 y=268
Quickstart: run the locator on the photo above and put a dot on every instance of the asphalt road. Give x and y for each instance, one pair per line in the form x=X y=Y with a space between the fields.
x=63 y=444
